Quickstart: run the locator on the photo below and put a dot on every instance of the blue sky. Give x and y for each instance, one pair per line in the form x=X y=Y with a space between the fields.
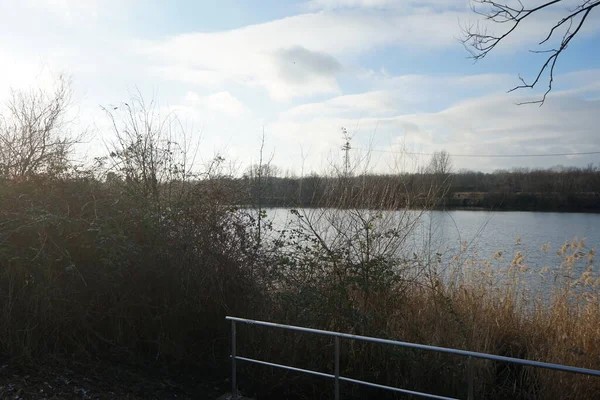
x=392 y=72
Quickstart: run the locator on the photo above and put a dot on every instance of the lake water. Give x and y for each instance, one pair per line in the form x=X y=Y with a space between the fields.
x=487 y=232
x=527 y=232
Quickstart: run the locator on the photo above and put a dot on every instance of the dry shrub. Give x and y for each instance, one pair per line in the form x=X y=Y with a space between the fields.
x=86 y=269
x=136 y=259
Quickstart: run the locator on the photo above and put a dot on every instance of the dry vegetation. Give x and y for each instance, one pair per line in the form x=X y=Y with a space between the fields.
x=139 y=258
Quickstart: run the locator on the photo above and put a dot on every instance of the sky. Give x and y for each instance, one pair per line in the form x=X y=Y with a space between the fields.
x=393 y=73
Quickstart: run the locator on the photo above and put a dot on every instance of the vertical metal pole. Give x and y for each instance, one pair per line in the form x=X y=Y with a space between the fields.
x=337 y=368
x=234 y=394
x=470 y=395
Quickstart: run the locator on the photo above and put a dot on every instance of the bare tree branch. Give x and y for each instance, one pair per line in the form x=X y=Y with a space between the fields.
x=479 y=42
x=34 y=137
x=149 y=151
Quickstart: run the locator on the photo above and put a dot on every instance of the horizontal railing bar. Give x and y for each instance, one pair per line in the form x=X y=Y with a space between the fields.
x=306 y=371
x=375 y=385
x=485 y=356
x=324 y=375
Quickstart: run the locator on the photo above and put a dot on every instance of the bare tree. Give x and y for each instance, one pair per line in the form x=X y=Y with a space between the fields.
x=479 y=41
x=440 y=168
x=151 y=152
x=440 y=163
x=34 y=136
x=258 y=176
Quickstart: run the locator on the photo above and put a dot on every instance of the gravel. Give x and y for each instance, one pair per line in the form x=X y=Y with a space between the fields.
x=98 y=381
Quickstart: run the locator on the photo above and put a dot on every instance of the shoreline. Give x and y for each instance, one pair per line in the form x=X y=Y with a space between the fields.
x=451 y=208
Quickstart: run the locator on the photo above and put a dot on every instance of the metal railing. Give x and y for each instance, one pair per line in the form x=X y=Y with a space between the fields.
x=338 y=378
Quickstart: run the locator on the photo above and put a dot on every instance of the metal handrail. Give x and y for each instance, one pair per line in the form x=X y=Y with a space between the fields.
x=337 y=378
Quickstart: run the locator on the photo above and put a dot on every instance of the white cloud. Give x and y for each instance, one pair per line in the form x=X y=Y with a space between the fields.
x=321 y=44
x=494 y=125
x=18 y=73
x=401 y=94
x=325 y=32
x=82 y=13
x=333 y=4
x=201 y=77
x=483 y=124
x=223 y=102
x=70 y=9
x=298 y=65
x=370 y=103
x=382 y=4
x=262 y=55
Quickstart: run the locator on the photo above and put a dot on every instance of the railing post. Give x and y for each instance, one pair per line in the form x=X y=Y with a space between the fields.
x=470 y=395
x=337 y=369
x=234 y=394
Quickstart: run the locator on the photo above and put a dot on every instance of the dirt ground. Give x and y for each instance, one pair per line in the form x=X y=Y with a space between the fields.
x=72 y=380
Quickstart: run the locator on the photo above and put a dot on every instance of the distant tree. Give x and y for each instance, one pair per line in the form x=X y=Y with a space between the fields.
x=510 y=14
x=265 y=171
x=440 y=163
x=34 y=136
x=440 y=168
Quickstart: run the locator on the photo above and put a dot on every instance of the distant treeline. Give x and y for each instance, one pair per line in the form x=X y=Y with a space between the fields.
x=555 y=189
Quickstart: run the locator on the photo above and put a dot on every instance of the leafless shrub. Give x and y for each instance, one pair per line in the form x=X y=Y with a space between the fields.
x=34 y=132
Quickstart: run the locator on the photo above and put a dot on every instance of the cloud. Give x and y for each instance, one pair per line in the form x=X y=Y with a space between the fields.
x=223 y=102
x=17 y=73
x=324 y=32
x=201 y=77
x=370 y=103
x=70 y=9
x=402 y=94
x=257 y=56
x=298 y=65
x=494 y=125
x=72 y=12
x=263 y=55
x=335 y=4
x=407 y=5
x=484 y=124
x=322 y=44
